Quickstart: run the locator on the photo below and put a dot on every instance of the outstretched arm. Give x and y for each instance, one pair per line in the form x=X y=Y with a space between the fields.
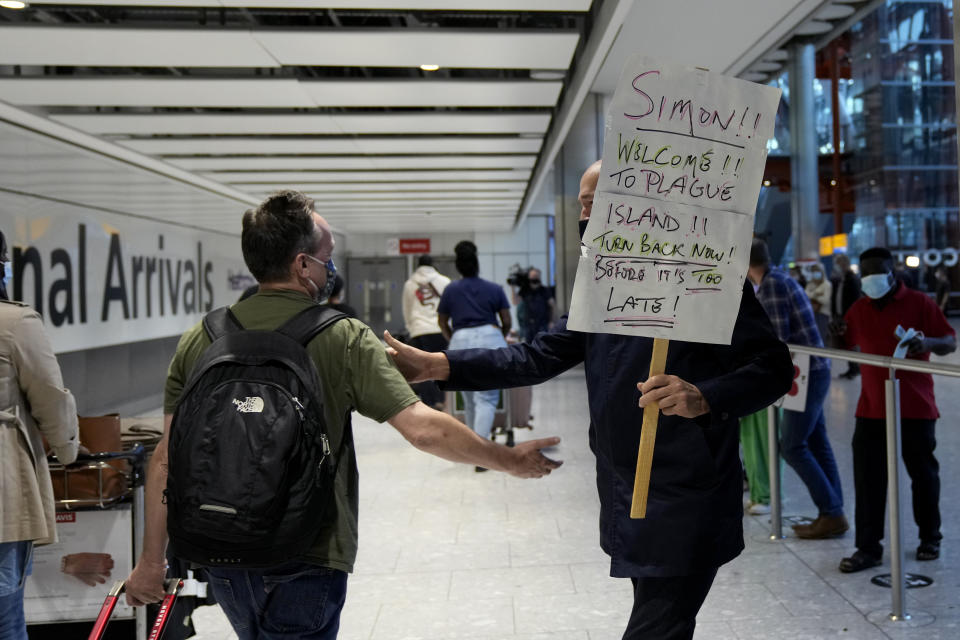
x=440 y=434
x=550 y=354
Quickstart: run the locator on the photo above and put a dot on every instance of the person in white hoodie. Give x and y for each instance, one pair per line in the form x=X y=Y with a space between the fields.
x=421 y=296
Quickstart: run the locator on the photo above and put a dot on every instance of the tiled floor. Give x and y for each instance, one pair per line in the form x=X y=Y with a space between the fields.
x=448 y=553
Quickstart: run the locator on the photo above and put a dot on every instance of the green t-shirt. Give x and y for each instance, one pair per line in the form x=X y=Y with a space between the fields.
x=356 y=374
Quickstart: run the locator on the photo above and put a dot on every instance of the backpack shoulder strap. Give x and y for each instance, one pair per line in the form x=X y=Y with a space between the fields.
x=220 y=322
x=310 y=322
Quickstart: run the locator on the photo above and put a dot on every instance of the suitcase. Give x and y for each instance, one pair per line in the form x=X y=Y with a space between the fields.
x=156 y=631
x=513 y=411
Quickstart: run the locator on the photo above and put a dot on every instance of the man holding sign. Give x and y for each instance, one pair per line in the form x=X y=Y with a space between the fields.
x=694 y=514
x=662 y=259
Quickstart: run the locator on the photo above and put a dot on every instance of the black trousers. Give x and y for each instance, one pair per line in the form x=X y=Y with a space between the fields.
x=666 y=608
x=428 y=392
x=870 y=479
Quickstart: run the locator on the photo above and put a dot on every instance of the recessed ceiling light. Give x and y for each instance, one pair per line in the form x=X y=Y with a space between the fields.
x=429 y=67
x=13 y=4
x=547 y=74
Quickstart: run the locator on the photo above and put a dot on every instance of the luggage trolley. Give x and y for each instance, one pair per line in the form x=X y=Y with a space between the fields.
x=172 y=587
x=100 y=508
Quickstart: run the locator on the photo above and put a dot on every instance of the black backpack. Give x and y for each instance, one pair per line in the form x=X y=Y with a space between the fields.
x=250 y=474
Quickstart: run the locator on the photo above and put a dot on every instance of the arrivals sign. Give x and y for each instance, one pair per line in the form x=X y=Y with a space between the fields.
x=666 y=250
x=100 y=279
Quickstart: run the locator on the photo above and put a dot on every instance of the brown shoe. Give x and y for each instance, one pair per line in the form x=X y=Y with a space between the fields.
x=822 y=527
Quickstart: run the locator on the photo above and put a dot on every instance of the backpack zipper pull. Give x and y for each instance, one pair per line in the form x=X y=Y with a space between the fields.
x=299 y=407
x=325 y=446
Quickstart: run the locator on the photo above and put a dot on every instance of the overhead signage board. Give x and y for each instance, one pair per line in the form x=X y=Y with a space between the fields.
x=414 y=245
x=100 y=278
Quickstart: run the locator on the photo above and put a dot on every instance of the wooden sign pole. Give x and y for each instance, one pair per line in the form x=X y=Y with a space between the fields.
x=648 y=435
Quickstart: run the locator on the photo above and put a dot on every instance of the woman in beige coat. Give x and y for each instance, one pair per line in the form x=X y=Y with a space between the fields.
x=33 y=404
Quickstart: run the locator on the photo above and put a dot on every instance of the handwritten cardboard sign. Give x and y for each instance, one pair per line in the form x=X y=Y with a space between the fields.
x=666 y=249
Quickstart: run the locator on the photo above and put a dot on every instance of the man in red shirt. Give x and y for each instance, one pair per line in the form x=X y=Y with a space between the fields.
x=871 y=324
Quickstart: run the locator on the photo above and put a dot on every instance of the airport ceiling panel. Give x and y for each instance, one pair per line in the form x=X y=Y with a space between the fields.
x=406 y=109
x=108 y=47
x=365 y=187
x=98 y=46
x=48 y=168
x=304 y=123
x=467 y=50
x=125 y=91
x=433 y=93
x=307 y=163
x=280 y=177
x=320 y=145
x=419 y=5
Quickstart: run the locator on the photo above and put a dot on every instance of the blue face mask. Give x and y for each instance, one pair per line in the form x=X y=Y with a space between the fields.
x=877 y=285
x=324 y=293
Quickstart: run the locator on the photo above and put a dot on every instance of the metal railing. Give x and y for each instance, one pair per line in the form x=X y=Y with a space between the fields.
x=892 y=398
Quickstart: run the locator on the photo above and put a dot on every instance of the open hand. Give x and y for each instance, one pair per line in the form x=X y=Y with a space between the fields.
x=414 y=364
x=676 y=396
x=528 y=462
x=89 y=568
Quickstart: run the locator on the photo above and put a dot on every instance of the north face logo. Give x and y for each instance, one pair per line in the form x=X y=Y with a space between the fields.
x=252 y=404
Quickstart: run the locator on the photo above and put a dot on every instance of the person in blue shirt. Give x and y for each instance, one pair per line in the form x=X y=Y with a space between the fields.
x=467 y=315
x=803 y=435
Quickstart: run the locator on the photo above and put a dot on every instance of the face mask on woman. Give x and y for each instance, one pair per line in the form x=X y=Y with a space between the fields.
x=876 y=286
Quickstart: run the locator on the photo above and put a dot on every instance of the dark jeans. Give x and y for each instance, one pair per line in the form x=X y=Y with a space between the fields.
x=16 y=561
x=666 y=608
x=429 y=393
x=296 y=600
x=917 y=442
x=806 y=448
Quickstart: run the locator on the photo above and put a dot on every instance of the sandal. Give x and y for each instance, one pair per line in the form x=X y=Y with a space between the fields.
x=859 y=561
x=928 y=551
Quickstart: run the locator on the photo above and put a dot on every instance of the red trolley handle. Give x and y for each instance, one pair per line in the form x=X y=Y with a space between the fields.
x=109 y=604
x=166 y=605
x=106 y=610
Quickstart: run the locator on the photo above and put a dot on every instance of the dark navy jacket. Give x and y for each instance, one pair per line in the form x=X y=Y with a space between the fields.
x=694 y=510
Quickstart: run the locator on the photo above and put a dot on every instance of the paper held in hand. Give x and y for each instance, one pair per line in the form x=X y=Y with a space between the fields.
x=665 y=252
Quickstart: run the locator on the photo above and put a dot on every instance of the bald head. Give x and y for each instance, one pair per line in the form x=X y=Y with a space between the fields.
x=588 y=185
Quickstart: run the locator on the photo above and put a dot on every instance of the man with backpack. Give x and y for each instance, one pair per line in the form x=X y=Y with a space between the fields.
x=257 y=455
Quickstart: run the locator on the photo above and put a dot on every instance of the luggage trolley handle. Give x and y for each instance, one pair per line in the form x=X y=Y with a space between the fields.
x=109 y=604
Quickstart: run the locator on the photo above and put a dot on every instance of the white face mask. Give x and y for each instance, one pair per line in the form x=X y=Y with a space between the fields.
x=877 y=285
